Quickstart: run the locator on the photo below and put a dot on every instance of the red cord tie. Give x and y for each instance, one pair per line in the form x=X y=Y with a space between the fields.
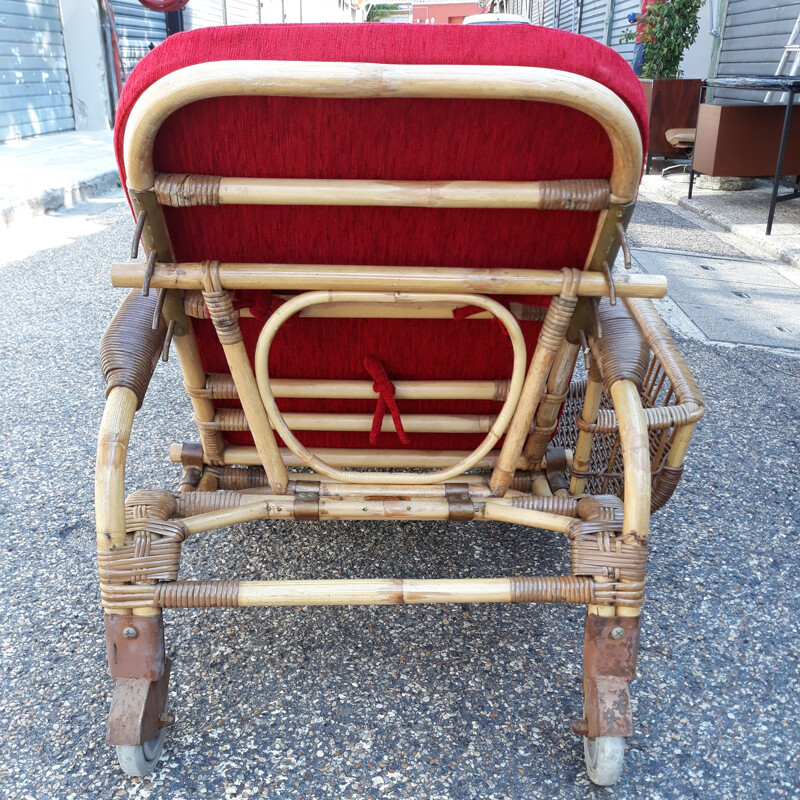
x=462 y=312
x=386 y=391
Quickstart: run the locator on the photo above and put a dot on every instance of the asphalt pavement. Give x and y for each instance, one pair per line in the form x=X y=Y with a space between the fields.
x=388 y=702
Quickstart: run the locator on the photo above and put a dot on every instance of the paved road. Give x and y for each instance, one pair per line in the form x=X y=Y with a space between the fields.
x=417 y=702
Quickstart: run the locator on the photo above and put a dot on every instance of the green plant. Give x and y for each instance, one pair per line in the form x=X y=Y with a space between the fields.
x=377 y=12
x=671 y=29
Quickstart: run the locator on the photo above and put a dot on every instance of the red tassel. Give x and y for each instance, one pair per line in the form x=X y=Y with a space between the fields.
x=386 y=391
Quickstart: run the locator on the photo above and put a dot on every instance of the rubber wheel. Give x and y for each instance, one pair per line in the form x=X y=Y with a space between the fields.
x=141 y=759
x=604 y=756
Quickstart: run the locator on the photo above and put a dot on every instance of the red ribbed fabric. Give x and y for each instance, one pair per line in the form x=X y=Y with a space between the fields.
x=388 y=139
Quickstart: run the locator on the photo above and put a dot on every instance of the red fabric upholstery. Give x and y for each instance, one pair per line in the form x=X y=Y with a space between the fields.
x=390 y=139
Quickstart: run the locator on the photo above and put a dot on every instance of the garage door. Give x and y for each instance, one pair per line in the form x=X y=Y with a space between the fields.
x=207 y=13
x=34 y=87
x=138 y=29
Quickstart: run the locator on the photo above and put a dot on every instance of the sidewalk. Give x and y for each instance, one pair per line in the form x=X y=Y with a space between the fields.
x=742 y=213
x=44 y=173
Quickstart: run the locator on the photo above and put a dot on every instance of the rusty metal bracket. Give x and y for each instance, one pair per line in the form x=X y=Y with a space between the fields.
x=138 y=709
x=623 y=243
x=459 y=504
x=192 y=462
x=306 y=506
x=556 y=468
x=610 y=647
x=135 y=646
x=606 y=249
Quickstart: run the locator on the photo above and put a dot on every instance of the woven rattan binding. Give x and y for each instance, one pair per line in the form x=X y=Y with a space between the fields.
x=130 y=348
x=621 y=352
x=181 y=191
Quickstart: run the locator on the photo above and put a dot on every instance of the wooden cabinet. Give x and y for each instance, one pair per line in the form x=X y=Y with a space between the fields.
x=670 y=104
x=742 y=141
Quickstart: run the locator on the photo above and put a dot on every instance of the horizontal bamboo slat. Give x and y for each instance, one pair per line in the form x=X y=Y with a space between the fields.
x=354 y=278
x=193 y=190
x=356 y=458
x=373 y=592
x=234 y=419
x=220 y=386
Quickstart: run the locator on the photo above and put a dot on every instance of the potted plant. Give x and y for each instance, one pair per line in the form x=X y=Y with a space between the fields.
x=672 y=27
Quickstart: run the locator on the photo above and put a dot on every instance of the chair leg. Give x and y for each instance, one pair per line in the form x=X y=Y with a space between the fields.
x=141 y=673
x=610 y=648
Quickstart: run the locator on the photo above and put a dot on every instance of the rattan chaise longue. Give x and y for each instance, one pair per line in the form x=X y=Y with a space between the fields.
x=391 y=243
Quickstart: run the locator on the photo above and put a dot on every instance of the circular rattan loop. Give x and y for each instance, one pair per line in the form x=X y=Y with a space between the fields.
x=298 y=303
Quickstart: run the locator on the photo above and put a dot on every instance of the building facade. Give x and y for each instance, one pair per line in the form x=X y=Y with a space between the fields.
x=64 y=62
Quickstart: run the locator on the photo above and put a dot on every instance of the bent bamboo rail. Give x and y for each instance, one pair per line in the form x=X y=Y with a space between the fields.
x=312 y=461
x=360 y=80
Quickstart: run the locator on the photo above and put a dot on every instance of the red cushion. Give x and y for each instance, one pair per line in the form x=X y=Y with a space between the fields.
x=390 y=139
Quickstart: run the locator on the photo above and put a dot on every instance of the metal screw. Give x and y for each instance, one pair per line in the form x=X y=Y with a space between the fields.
x=618 y=633
x=130 y=633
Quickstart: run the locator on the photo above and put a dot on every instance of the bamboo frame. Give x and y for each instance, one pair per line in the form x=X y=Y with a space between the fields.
x=636 y=459
x=346 y=277
x=551 y=338
x=374 y=592
x=313 y=461
x=221 y=387
x=109 y=482
x=547 y=413
x=354 y=458
x=233 y=419
x=583 y=446
x=360 y=80
x=179 y=190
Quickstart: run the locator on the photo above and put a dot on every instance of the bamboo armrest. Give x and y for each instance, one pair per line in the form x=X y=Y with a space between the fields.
x=130 y=348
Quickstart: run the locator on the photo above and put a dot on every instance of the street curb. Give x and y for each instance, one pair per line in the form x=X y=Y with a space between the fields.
x=62 y=197
x=774 y=251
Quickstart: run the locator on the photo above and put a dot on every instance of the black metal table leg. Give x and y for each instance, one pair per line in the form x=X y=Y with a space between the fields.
x=776 y=183
x=700 y=98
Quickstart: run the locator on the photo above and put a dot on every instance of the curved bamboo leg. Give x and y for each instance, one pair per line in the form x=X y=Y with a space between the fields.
x=134 y=637
x=611 y=641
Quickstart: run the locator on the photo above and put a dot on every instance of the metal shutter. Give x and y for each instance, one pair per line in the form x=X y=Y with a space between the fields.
x=620 y=24
x=138 y=31
x=208 y=13
x=203 y=14
x=34 y=86
x=243 y=12
x=593 y=18
x=755 y=33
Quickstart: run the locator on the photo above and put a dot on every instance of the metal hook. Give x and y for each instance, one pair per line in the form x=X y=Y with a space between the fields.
x=612 y=291
x=168 y=340
x=148 y=273
x=585 y=349
x=623 y=241
x=137 y=234
x=595 y=302
x=162 y=296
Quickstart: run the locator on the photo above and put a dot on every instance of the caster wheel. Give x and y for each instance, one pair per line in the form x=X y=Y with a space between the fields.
x=604 y=756
x=139 y=760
